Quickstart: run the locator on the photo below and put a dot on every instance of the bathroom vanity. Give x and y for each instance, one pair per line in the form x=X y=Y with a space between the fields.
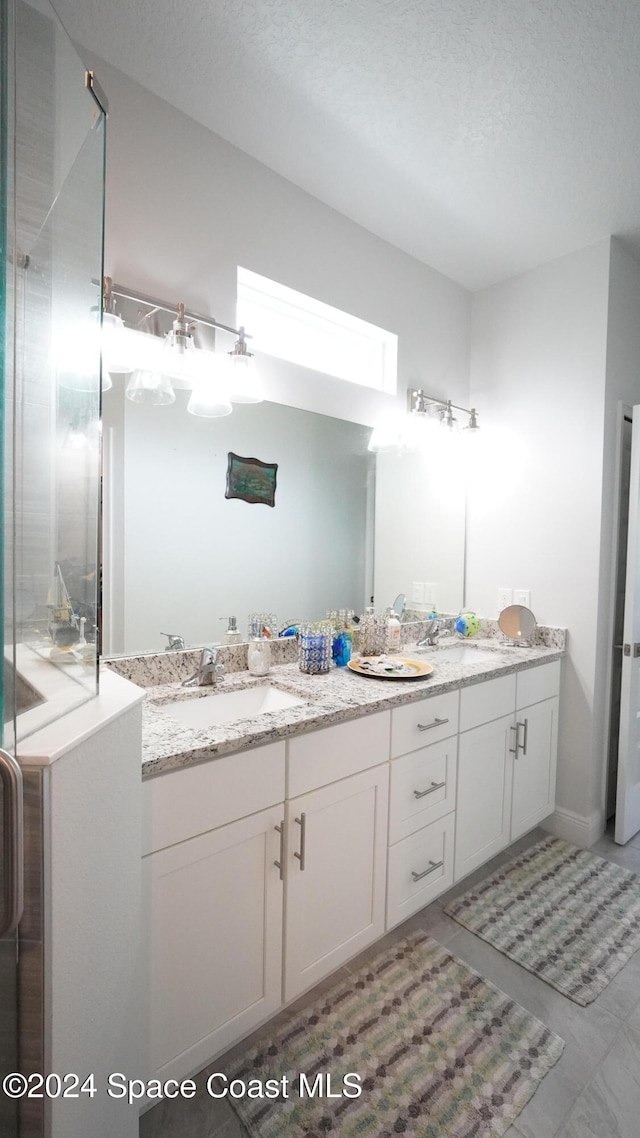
x=278 y=847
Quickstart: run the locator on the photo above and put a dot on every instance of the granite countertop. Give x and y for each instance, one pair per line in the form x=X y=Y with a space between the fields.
x=333 y=698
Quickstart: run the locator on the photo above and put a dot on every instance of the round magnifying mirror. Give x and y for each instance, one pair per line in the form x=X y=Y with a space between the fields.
x=399 y=605
x=517 y=622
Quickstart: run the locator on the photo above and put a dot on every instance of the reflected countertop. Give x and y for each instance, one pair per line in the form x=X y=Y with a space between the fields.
x=336 y=697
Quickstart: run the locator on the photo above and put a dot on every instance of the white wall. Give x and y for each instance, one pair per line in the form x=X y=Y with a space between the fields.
x=185 y=208
x=538 y=367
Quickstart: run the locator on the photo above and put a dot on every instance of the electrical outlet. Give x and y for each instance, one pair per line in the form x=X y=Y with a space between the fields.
x=430 y=593
x=417 y=592
x=522 y=597
x=505 y=598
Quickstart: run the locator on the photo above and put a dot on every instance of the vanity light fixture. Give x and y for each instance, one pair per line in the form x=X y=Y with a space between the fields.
x=161 y=362
x=419 y=403
x=405 y=432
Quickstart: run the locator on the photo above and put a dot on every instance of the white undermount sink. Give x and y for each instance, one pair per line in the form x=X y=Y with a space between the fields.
x=223 y=707
x=461 y=654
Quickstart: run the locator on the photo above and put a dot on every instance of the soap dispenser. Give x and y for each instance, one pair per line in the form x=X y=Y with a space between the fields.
x=233 y=634
x=259 y=656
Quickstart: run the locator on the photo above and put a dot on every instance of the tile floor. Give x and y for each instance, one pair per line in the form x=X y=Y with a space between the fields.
x=592 y=1092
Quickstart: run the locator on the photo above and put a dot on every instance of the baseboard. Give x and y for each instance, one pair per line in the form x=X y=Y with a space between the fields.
x=582 y=830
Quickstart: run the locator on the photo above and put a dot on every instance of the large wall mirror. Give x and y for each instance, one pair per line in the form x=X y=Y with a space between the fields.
x=179 y=556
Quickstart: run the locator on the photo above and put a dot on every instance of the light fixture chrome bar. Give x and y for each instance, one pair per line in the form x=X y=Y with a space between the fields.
x=419 y=401
x=111 y=289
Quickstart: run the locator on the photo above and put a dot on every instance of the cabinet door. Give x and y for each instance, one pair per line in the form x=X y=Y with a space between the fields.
x=335 y=881
x=485 y=775
x=534 y=768
x=216 y=940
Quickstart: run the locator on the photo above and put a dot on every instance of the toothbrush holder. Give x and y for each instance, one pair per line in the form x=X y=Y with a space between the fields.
x=315 y=641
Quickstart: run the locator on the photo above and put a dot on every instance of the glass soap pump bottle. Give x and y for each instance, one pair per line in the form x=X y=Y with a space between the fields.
x=233 y=634
x=393 y=631
x=259 y=656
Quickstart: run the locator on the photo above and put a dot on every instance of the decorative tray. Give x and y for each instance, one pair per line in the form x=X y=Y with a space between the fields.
x=390 y=667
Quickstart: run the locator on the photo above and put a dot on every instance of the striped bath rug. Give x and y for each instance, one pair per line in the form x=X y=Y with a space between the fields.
x=437 y=1052
x=568 y=916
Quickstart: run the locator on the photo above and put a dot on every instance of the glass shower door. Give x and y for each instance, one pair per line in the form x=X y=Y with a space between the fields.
x=10 y=788
x=52 y=140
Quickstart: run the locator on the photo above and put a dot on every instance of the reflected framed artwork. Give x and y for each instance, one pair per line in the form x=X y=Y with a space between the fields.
x=251 y=480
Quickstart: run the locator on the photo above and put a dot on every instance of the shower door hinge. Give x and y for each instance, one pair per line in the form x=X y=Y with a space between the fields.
x=92 y=85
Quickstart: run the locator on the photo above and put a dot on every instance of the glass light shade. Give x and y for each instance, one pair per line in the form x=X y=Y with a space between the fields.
x=150 y=387
x=210 y=396
x=76 y=357
x=388 y=434
x=246 y=384
x=180 y=360
x=116 y=349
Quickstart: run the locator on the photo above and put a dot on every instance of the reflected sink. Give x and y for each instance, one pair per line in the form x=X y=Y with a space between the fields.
x=462 y=654
x=223 y=707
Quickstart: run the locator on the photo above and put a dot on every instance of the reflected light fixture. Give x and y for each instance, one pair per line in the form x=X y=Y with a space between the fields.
x=160 y=362
x=246 y=385
x=407 y=432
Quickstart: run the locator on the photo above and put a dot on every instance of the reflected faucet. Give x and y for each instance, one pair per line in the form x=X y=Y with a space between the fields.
x=434 y=629
x=175 y=642
x=207 y=672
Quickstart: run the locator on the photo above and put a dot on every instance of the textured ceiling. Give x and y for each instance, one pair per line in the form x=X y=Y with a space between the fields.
x=481 y=136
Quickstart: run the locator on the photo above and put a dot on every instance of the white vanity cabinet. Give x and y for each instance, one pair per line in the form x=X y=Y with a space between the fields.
x=506 y=761
x=267 y=869
x=422 y=804
x=336 y=847
x=214 y=902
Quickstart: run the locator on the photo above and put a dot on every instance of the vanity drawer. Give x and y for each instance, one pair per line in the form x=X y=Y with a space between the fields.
x=333 y=753
x=536 y=684
x=427 y=721
x=181 y=804
x=492 y=699
x=423 y=788
x=427 y=855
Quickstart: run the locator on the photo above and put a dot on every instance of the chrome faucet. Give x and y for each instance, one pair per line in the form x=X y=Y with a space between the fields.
x=175 y=642
x=434 y=629
x=207 y=672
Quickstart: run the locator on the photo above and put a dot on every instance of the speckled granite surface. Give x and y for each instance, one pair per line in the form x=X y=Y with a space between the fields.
x=333 y=698
x=155 y=668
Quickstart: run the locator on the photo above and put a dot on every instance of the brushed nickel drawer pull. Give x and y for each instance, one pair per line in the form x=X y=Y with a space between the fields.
x=436 y=723
x=525 y=732
x=280 y=864
x=302 y=822
x=430 y=789
x=514 y=750
x=432 y=865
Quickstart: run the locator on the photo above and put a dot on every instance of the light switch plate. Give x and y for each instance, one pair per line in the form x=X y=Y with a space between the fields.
x=522 y=597
x=417 y=592
x=430 y=593
x=505 y=598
